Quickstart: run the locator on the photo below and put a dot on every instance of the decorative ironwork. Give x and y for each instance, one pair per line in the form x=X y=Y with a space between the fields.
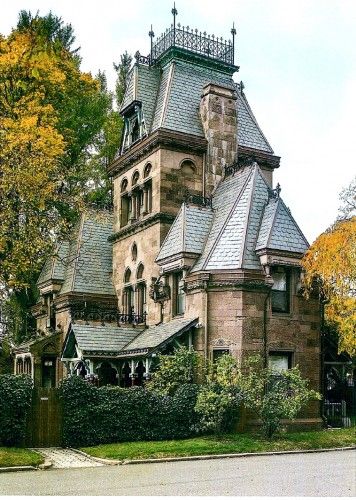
x=190 y=39
x=195 y=199
x=194 y=41
x=231 y=169
x=274 y=193
x=108 y=316
x=159 y=291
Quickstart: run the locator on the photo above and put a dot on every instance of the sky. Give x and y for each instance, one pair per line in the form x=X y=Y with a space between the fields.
x=297 y=60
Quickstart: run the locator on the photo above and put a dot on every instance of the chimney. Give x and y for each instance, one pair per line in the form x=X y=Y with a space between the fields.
x=219 y=119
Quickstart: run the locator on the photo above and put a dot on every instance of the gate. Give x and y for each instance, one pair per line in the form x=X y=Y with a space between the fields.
x=45 y=419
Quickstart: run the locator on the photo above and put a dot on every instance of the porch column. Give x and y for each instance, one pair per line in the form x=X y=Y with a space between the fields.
x=132 y=371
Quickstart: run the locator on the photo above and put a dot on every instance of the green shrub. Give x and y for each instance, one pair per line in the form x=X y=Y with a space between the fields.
x=15 y=401
x=112 y=414
x=274 y=396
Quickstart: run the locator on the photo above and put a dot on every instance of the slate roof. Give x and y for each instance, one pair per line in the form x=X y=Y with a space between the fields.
x=54 y=267
x=84 y=264
x=171 y=96
x=188 y=232
x=89 y=268
x=114 y=340
x=243 y=221
x=108 y=338
x=279 y=231
x=155 y=336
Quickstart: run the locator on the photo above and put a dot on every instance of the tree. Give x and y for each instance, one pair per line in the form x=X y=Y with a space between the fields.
x=58 y=132
x=273 y=396
x=348 y=201
x=122 y=69
x=330 y=266
x=181 y=367
x=218 y=400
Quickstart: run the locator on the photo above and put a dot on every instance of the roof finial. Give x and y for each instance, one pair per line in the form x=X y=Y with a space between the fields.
x=151 y=35
x=175 y=13
x=233 y=32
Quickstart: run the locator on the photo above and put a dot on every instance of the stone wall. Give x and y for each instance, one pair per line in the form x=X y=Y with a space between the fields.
x=219 y=119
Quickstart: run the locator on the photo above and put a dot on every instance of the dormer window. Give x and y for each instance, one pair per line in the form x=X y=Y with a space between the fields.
x=134 y=125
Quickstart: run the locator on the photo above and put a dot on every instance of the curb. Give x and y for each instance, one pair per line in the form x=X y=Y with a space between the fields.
x=105 y=461
x=18 y=468
x=231 y=455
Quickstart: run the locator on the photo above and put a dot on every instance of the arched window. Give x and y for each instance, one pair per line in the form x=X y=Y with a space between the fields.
x=139 y=274
x=134 y=252
x=187 y=167
x=147 y=170
x=123 y=185
x=135 y=178
x=127 y=275
x=141 y=301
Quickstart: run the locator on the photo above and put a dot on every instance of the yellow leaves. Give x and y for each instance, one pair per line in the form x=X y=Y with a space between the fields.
x=331 y=261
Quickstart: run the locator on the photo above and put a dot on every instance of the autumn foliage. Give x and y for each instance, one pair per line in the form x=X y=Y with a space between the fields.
x=330 y=266
x=46 y=111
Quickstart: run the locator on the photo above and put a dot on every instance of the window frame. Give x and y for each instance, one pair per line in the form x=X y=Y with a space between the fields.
x=286 y=293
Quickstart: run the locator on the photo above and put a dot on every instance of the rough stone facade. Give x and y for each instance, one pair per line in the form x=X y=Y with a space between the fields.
x=204 y=251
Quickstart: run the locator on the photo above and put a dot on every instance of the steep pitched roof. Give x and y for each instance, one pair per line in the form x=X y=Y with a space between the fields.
x=279 y=231
x=188 y=232
x=249 y=132
x=54 y=267
x=89 y=265
x=244 y=222
x=171 y=97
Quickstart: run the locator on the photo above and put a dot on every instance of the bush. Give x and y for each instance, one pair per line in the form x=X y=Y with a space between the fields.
x=273 y=396
x=110 y=414
x=15 y=401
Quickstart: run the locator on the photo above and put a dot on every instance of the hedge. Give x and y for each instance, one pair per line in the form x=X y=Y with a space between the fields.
x=15 y=401
x=94 y=415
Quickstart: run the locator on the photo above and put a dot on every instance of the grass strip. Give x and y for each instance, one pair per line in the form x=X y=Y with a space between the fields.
x=10 y=457
x=227 y=443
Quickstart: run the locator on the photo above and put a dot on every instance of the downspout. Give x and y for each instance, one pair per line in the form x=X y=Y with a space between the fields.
x=265 y=337
x=206 y=321
x=322 y=356
x=204 y=173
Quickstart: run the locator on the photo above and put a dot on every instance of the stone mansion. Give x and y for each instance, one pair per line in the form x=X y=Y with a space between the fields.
x=199 y=249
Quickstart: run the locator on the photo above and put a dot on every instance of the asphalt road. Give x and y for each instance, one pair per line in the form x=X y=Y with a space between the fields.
x=313 y=474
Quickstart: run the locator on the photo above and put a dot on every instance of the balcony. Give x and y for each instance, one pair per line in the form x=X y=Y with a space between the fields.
x=108 y=316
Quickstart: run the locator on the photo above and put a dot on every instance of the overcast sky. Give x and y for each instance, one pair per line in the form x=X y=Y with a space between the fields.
x=297 y=60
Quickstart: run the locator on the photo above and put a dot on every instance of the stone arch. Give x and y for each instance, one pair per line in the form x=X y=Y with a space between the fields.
x=187 y=167
x=147 y=169
x=140 y=271
x=134 y=251
x=127 y=275
x=135 y=178
x=123 y=186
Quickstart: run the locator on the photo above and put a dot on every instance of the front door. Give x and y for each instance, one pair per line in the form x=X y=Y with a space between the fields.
x=48 y=372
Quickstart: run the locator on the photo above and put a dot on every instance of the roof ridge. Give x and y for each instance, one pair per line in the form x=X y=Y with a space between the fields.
x=226 y=220
x=250 y=112
x=167 y=93
x=276 y=202
x=248 y=212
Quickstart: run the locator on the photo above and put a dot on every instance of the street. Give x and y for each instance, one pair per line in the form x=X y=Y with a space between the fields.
x=310 y=474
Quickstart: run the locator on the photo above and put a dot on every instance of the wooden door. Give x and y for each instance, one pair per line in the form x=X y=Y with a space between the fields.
x=44 y=419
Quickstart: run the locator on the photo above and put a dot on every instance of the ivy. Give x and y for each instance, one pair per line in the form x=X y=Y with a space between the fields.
x=15 y=402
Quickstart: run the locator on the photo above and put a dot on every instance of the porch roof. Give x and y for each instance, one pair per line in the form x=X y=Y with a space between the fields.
x=97 y=339
x=156 y=336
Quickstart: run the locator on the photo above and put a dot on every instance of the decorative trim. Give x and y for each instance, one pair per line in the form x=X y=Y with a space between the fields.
x=177 y=141
x=140 y=225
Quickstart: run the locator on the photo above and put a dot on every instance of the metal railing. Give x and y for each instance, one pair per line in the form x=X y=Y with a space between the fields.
x=104 y=317
x=192 y=40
